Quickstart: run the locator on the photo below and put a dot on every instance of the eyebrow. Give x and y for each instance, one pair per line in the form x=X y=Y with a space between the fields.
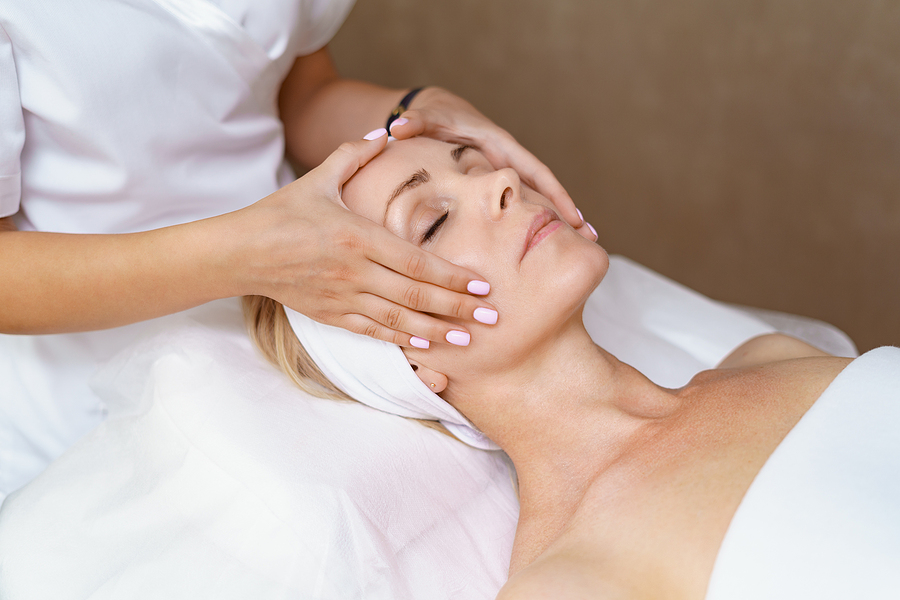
x=418 y=178
x=421 y=177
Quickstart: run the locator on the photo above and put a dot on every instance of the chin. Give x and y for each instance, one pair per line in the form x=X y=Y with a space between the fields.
x=601 y=266
x=587 y=268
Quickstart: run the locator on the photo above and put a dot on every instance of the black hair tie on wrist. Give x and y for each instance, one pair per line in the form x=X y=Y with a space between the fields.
x=402 y=107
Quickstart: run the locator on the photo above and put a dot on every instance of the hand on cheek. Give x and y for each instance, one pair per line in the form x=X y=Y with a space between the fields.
x=341 y=269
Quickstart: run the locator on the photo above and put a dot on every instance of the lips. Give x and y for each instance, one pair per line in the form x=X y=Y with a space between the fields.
x=543 y=224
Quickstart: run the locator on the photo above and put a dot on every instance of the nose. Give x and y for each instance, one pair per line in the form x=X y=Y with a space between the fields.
x=503 y=188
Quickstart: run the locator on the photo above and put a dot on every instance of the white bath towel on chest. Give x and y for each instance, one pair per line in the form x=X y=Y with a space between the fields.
x=822 y=518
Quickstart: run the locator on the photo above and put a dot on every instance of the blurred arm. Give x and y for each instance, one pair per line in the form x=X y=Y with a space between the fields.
x=320 y=110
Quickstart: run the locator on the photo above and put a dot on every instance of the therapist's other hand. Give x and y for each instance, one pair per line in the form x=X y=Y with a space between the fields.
x=314 y=255
x=437 y=113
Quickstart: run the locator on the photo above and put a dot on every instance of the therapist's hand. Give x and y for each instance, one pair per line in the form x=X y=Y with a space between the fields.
x=437 y=113
x=312 y=254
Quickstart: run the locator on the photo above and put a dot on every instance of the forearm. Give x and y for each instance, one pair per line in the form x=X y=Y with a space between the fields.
x=320 y=110
x=56 y=283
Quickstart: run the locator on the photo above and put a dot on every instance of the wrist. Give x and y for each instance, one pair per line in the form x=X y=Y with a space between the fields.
x=402 y=106
x=224 y=249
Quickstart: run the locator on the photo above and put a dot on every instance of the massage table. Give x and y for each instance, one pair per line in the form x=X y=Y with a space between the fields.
x=215 y=477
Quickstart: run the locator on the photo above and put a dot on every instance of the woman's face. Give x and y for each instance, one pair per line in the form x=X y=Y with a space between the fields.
x=449 y=200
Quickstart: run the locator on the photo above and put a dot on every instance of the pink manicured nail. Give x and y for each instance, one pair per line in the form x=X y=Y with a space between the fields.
x=580 y=216
x=486 y=316
x=417 y=342
x=594 y=231
x=400 y=121
x=479 y=288
x=458 y=338
x=374 y=135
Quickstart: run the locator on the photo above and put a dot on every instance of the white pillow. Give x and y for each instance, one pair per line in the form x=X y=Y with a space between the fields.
x=215 y=477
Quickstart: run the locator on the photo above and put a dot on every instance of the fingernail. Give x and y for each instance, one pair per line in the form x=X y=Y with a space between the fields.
x=479 y=288
x=486 y=316
x=580 y=216
x=374 y=135
x=400 y=121
x=417 y=342
x=594 y=231
x=458 y=338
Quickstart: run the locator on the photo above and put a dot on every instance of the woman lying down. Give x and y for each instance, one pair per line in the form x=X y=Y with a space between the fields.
x=627 y=489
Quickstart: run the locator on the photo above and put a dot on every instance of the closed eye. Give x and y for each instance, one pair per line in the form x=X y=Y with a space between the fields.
x=457 y=152
x=434 y=227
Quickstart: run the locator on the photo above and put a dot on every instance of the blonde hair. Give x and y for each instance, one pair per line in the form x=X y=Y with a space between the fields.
x=271 y=332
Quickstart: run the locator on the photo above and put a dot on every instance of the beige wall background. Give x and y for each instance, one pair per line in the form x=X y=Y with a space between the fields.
x=748 y=149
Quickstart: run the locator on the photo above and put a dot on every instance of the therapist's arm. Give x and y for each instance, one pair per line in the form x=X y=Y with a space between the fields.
x=320 y=110
x=299 y=246
x=60 y=283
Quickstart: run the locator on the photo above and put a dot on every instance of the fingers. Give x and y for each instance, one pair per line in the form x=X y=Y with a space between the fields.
x=380 y=317
x=344 y=162
x=411 y=261
x=432 y=124
x=502 y=150
x=418 y=300
x=542 y=179
x=505 y=151
x=392 y=290
x=405 y=291
x=406 y=327
x=588 y=232
x=412 y=282
x=377 y=284
x=406 y=127
x=363 y=325
x=445 y=116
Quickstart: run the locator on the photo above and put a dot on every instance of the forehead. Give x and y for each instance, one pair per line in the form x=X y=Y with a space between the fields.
x=367 y=192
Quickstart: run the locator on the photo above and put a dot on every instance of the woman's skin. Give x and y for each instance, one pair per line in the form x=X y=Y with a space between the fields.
x=299 y=245
x=626 y=488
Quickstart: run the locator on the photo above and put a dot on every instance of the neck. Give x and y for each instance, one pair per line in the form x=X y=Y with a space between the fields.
x=564 y=416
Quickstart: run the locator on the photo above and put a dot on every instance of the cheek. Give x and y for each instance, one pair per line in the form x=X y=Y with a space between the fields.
x=567 y=274
x=537 y=301
x=474 y=250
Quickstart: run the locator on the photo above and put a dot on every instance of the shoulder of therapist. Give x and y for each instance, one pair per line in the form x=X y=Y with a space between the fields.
x=131 y=103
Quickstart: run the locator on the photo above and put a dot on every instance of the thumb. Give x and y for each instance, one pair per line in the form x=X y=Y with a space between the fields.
x=350 y=157
x=407 y=126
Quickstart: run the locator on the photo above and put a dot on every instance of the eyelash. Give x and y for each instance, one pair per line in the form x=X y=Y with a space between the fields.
x=435 y=226
x=440 y=221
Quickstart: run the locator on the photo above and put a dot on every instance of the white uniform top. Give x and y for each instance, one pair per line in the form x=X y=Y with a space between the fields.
x=121 y=116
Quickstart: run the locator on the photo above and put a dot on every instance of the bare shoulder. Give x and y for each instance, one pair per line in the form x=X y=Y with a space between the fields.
x=772 y=347
x=773 y=370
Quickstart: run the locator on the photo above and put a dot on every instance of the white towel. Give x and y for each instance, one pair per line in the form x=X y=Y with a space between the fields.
x=377 y=374
x=822 y=518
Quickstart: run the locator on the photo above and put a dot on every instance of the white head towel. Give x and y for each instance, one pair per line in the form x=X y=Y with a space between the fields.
x=377 y=374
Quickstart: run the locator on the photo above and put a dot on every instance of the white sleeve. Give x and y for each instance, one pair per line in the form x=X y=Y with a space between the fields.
x=319 y=21
x=12 y=130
